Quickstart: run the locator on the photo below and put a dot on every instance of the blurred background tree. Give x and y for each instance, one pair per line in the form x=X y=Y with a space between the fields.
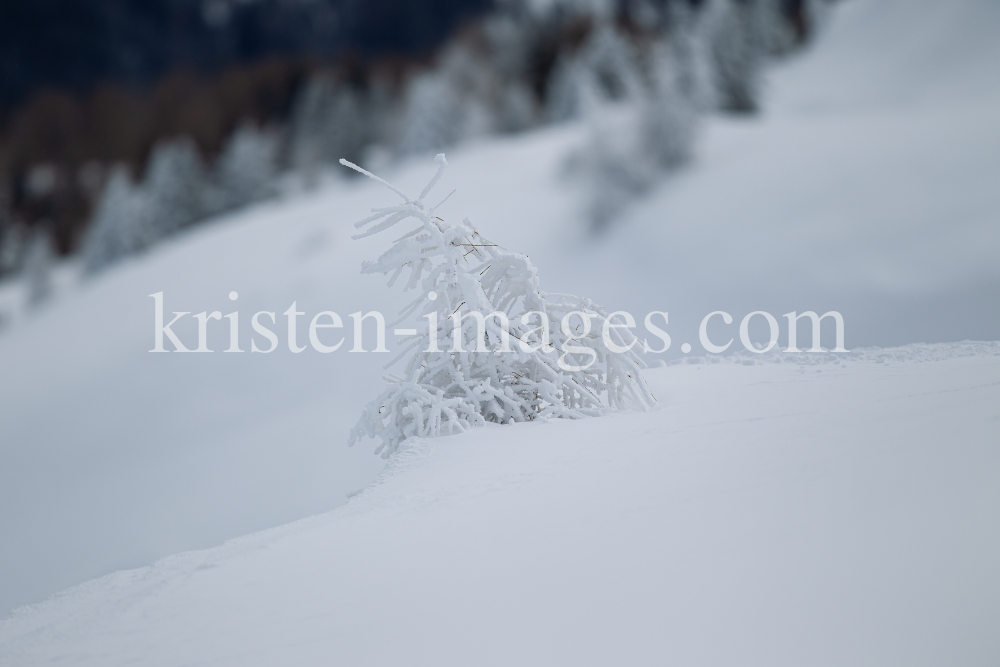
x=241 y=91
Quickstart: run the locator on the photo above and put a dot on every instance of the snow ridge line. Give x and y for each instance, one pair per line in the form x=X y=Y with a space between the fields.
x=913 y=353
x=410 y=453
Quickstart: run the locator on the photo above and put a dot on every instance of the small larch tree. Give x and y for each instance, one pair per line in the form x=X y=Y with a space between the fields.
x=528 y=355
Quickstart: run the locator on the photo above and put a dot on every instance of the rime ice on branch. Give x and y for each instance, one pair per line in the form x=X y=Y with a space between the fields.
x=487 y=372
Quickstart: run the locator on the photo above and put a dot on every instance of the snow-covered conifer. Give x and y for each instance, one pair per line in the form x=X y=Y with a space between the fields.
x=607 y=64
x=175 y=187
x=455 y=101
x=563 y=96
x=612 y=61
x=517 y=107
x=459 y=272
x=668 y=112
x=38 y=259
x=688 y=39
x=629 y=144
x=775 y=32
x=736 y=53
x=614 y=164
x=329 y=120
x=11 y=246
x=119 y=226
x=433 y=114
x=247 y=167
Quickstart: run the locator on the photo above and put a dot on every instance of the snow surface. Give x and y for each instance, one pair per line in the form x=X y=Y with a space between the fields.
x=868 y=186
x=842 y=513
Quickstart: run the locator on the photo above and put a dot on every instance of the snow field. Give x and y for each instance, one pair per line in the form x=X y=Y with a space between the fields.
x=774 y=514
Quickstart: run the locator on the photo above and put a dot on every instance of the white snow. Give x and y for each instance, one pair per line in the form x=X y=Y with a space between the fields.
x=774 y=514
x=765 y=515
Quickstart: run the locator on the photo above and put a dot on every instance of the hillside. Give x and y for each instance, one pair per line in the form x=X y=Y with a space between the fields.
x=774 y=514
x=867 y=185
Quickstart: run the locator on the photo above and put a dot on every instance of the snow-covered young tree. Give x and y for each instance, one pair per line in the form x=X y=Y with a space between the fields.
x=509 y=352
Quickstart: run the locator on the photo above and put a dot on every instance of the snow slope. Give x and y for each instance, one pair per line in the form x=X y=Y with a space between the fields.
x=868 y=186
x=774 y=514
